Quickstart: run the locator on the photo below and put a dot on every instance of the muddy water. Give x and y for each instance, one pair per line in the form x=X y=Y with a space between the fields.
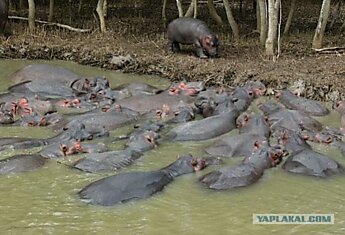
x=45 y=201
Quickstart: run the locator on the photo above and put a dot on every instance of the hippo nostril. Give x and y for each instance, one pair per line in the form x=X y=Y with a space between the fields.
x=329 y=140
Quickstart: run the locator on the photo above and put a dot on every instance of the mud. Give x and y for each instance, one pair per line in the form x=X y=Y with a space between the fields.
x=136 y=41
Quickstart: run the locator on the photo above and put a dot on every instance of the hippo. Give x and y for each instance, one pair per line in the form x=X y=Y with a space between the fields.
x=3 y=16
x=20 y=143
x=243 y=97
x=44 y=72
x=236 y=146
x=21 y=163
x=339 y=106
x=115 y=160
x=67 y=148
x=35 y=119
x=279 y=116
x=138 y=89
x=254 y=124
x=109 y=120
x=186 y=88
x=254 y=131
x=204 y=129
x=310 y=107
x=145 y=103
x=78 y=132
x=125 y=187
x=249 y=171
x=192 y=31
x=303 y=159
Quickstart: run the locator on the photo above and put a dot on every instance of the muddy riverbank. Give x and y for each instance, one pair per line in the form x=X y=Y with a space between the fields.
x=137 y=45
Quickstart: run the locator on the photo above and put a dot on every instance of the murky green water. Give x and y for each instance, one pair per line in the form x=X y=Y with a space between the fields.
x=45 y=201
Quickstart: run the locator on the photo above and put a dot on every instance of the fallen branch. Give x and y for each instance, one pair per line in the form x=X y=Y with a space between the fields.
x=52 y=23
x=330 y=49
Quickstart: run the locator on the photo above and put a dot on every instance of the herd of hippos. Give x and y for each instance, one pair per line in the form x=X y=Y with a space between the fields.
x=42 y=94
x=186 y=111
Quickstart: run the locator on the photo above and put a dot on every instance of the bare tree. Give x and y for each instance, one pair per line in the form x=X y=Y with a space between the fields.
x=31 y=14
x=231 y=20
x=190 y=10
x=51 y=10
x=271 y=41
x=335 y=12
x=213 y=12
x=179 y=8
x=100 y=12
x=164 y=14
x=263 y=21
x=79 y=6
x=321 y=25
x=289 y=19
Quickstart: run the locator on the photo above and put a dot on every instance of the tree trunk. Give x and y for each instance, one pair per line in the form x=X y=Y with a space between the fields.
x=31 y=14
x=179 y=8
x=100 y=13
x=21 y=4
x=195 y=3
x=105 y=8
x=257 y=9
x=213 y=12
x=289 y=19
x=271 y=44
x=51 y=10
x=321 y=25
x=164 y=15
x=231 y=20
x=190 y=10
x=335 y=13
x=79 y=6
x=263 y=21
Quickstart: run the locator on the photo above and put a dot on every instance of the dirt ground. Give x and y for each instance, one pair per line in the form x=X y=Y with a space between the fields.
x=141 y=36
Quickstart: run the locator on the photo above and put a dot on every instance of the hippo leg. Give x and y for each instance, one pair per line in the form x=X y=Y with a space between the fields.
x=200 y=52
x=173 y=46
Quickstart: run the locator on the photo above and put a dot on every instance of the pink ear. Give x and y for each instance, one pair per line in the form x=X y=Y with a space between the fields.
x=257 y=145
x=208 y=40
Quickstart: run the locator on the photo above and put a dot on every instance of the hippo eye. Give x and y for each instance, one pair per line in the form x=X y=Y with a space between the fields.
x=194 y=162
x=31 y=123
x=90 y=137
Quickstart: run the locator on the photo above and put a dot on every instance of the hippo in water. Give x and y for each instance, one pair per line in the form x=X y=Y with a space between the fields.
x=21 y=163
x=192 y=31
x=3 y=16
x=125 y=187
x=292 y=101
x=303 y=159
x=249 y=171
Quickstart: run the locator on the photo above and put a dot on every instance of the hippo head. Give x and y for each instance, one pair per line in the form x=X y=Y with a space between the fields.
x=339 y=106
x=210 y=45
x=186 y=164
x=143 y=141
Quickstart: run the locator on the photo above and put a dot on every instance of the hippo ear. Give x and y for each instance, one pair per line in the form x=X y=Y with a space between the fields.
x=206 y=41
x=257 y=145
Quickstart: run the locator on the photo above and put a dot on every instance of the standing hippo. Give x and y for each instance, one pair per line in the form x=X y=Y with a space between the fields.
x=125 y=187
x=192 y=31
x=3 y=16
